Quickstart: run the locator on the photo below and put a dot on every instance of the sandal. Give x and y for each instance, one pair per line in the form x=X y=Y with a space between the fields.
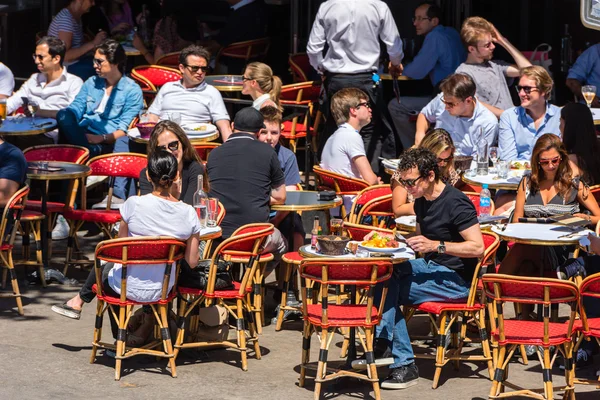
x=67 y=311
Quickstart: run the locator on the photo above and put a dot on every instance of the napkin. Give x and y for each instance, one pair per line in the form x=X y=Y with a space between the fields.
x=134 y=132
x=208 y=230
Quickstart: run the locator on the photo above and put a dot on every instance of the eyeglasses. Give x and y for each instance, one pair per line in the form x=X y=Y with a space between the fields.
x=449 y=104
x=195 y=68
x=98 y=61
x=408 y=183
x=526 y=89
x=445 y=160
x=552 y=161
x=485 y=45
x=419 y=19
x=173 y=146
x=38 y=57
x=245 y=78
x=363 y=104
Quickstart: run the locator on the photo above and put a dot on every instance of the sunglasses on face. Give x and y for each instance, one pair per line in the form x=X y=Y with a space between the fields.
x=419 y=19
x=38 y=57
x=526 y=89
x=245 y=78
x=173 y=146
x=408 y=183
x=195 y=68
x=445 y=160
x=98 y=61
x=552 y=161
x=363 y=104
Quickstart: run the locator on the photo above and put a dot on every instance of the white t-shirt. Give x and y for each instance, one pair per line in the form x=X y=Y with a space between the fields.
x=7 y=80
x=345 y=144
x=150 y=215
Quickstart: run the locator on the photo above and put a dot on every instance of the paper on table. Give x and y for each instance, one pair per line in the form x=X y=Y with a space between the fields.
x=209 y=230
x=596 y=113
x=134 y=132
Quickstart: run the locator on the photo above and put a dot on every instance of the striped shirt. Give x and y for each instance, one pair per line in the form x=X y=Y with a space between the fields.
x=65 y=22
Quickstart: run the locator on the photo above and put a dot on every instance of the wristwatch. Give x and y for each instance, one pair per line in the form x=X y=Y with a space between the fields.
x=103 y=138
x=441 y=247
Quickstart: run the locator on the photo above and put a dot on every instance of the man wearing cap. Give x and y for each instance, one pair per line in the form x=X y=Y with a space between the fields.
x=245 y=175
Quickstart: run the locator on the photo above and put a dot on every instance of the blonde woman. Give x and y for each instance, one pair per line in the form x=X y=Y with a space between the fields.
x=439 y=142
x=261 y=85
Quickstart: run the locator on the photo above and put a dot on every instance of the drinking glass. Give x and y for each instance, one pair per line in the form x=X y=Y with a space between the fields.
x=588 y=92
x=3 y=109
x=32 y=107
x=494 y=155
x=502 y=169
x=175 y=117
x=213 y=212
x=335 y=226
x=144 y=117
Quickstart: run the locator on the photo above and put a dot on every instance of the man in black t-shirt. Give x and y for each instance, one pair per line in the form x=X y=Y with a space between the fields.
x=449 y=237
x=245 y=175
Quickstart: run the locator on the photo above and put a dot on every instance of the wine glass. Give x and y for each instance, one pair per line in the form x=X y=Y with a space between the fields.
x=588 y=92
x=32 y=107
x=175 y=117
x=494 y=155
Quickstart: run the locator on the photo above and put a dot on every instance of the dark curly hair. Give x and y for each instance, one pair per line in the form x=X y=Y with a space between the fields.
x=422 y=159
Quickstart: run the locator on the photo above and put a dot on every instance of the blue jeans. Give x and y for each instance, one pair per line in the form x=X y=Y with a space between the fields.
x=125 y=187
x=414 y=282
x=71 y=133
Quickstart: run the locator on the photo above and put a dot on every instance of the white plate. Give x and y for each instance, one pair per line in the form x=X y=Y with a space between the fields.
x=401 y=246
x=189 y=129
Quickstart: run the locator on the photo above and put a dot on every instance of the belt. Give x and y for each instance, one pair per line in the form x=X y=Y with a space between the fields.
x=327 y=73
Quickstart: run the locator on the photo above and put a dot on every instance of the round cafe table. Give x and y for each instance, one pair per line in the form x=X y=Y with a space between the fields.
x=22 y=126
x=56 y=171
x=225 y=83
x=406 y=223
x=210 y=233
x=494 y=182
x=305 y=201
x=540 y=234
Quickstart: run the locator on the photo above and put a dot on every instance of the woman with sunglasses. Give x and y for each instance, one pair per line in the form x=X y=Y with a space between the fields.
x=551 y=189
x=169 y=136
x=440 y=143
x=157 y=213
x=260 y=84
x=579 y=137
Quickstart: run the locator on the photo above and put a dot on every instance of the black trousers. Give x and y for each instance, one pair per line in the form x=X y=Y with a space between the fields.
x=379 y=136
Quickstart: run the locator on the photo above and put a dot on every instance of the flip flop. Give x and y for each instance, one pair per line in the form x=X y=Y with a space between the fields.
x=66 y=311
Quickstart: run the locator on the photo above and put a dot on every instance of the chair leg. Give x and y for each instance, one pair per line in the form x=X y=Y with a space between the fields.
x=496 y=383
x=37 y=233
x=322 y=364
x=97 y=329
x=524 y=355
x=306 y=334
x=73 y=228
x=25 y=240
x=8 y=261
x=253 y=334
x=241 y=335
x=371 y=368
x=287 y=273
x=548 y=389
x=181 y=309
x=485 y=342
x=166 y=337
x=120 y=351
x=4 y=274
x=440 y=352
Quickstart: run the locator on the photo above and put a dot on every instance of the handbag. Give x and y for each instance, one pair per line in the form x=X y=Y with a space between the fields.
x=540 y=56
x=198 y=277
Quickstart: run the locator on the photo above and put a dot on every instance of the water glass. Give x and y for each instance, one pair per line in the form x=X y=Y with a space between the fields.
x=335 y=226
x=470 y=173
x=502 y=168
x=43 y=165
x=144 y=117
x=494 y=155
x=213 y=212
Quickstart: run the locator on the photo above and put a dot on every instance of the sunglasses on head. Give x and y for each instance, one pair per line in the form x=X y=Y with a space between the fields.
x=195 y=68
x=552 y=161
x=173 y=146
x=408 y=183
x=526 y=89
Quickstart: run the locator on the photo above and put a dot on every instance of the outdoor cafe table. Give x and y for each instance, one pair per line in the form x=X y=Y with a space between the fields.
x=540 y=234
x=494 y=182
x=405 y=253
x=200 y=139
x=22 y=126
x=225 y=83
x=68 y=171
x=298 y=200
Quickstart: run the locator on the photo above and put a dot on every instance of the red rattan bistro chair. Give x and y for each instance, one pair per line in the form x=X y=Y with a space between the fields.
x=586 y=327
x=249 y=50
x=8 y=230
x=444 y=315
x=159 y=252
x=299 y=67
x=509 y=334
x=303 y=94
x=246 y=242
x=114 y=165
x=152 y=77
x=341 y=184
x=204 y=149
x=169 y=60
x=474 y=197
x=374 y=201
x=329 y=317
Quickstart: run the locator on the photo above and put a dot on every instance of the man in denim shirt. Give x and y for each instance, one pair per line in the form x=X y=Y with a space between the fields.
x=585 y=71
x=441 y=53
x=105 y=106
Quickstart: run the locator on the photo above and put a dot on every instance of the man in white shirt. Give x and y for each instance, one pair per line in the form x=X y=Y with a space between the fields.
x=7 y=81
x=53 y=88
x=458 y=111
x=344 y=151
x=352 y=30
x=192 y=98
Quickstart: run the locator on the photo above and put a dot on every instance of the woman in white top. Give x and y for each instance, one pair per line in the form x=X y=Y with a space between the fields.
x=66 y=26
x=260 y=84
x=157 y=213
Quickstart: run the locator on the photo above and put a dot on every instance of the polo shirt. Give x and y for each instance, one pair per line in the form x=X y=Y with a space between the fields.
x=289 y=165
x=587 y=67
x=202 y=103
x=465 y=132
x=517 y=134
x=242 y=172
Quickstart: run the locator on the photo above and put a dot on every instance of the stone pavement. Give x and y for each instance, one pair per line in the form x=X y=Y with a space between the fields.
x=46 y=356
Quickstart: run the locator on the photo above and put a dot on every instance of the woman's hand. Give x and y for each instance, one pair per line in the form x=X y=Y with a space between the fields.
x=99 y=38
x=583 y=216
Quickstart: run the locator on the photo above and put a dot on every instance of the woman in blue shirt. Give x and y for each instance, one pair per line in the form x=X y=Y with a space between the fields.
x=105 y=105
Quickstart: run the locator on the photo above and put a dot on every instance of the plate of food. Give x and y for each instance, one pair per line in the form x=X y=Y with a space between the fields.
x=381 y=243
x=520 y=165
x=199 y=129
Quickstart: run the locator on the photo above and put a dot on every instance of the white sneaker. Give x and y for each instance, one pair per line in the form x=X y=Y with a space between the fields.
x=61 y=229
x=115 y=204
x=93 y=180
